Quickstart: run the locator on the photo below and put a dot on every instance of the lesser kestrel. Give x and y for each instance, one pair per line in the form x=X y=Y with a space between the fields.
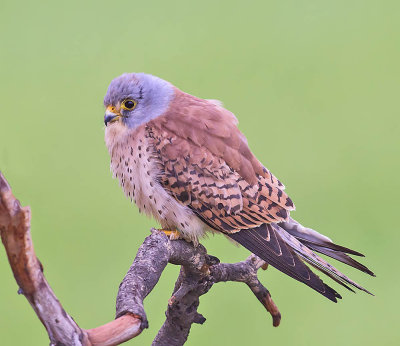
x=183 y=161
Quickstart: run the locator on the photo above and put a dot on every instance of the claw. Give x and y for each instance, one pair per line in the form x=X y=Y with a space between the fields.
x=172 y=235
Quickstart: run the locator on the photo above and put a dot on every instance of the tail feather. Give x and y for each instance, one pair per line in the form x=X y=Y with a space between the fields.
x=332 y=246
x=287 y=245
x=313 y=237
x=318 y=242
x=265 y=242
x=316 y=261
x=328 y=274
x=338 y=255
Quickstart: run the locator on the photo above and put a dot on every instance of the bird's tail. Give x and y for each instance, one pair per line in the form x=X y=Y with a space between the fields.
x=322 y=244
x=286 y=245
x=304 y=241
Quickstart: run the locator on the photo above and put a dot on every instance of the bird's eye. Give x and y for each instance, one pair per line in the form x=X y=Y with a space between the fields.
x=128 y=104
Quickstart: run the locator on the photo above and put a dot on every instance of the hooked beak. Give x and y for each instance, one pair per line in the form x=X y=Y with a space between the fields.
x=111 y=115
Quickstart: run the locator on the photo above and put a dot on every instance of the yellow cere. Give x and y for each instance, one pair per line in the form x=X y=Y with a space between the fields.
x=112 y=109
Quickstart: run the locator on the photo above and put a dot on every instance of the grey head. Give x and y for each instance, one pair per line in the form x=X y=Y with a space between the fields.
x=136 y=98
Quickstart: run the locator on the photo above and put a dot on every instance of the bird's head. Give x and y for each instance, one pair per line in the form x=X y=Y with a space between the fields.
x=134 y=99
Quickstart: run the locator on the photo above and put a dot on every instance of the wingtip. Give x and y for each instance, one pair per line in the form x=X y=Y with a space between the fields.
x=369 y=272
x=331 y=294
x=370 y=293
x=336 y=247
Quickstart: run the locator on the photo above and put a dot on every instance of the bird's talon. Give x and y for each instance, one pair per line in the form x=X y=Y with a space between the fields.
x=172 y=235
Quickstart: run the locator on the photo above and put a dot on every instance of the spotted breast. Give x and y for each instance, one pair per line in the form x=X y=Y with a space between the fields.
x=137 y=167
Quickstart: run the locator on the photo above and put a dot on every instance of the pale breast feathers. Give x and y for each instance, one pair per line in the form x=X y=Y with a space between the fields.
x=137 y=167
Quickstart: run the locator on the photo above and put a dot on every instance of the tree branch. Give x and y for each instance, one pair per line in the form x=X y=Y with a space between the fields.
x=199 y=272
x=28 y=272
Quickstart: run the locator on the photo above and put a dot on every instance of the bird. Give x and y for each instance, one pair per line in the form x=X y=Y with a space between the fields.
x=183 y=161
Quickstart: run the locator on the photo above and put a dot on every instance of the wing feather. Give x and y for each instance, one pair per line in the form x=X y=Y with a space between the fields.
x=207 y=165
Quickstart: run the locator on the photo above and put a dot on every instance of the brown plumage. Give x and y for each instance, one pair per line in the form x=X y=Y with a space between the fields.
x=208 y=158
x=186 y=163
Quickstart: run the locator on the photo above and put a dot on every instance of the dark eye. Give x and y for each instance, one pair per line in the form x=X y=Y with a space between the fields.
x=128 y=104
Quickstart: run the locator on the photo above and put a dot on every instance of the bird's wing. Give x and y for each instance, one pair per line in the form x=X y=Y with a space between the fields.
x=208 y=165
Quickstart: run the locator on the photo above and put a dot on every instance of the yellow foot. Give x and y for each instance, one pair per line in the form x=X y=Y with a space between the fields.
x=172 y=235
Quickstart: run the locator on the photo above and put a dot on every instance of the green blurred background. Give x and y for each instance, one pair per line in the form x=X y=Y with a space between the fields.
x=315 y=85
